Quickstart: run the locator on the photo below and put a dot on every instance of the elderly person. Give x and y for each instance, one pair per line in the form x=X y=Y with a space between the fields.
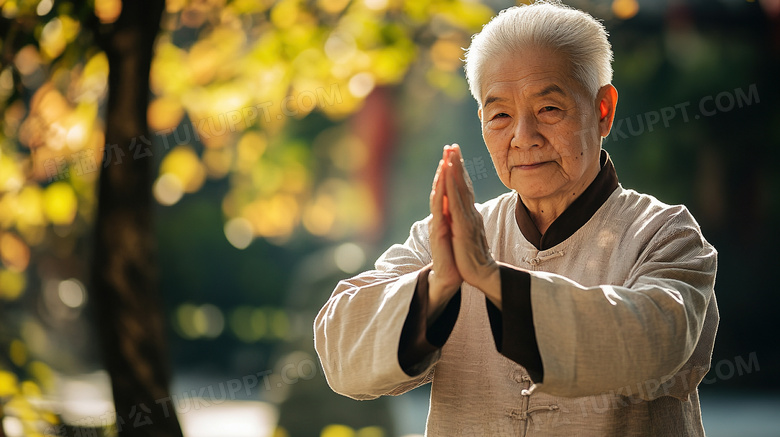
x=567 y=306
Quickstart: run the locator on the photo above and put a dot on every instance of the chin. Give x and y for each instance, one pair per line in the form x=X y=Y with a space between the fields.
x=530 y=190
x=526 y=193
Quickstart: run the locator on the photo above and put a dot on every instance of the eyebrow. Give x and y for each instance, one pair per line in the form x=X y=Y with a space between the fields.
x=493 y=99
x=549 y=89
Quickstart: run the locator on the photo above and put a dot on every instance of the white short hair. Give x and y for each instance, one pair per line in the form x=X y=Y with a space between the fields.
x=544 y=24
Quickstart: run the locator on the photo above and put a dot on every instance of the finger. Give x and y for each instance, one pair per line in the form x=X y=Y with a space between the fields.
x=454 y=194
x=440 y=169
x=440 y=202
x=445 y=208
x=462 y=175
x=437 y=190
x=446 y=152
x=437 y=176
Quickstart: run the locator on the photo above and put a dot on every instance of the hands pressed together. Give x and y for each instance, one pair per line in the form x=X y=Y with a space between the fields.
x=457 y=236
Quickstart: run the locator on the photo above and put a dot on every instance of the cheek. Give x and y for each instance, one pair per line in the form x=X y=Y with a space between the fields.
x=577 y=153
x=499 y=163
x=573 y=142
x=498 y=152
x=494 y=139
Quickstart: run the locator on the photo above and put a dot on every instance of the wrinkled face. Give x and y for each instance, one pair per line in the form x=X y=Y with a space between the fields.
x=540 y=126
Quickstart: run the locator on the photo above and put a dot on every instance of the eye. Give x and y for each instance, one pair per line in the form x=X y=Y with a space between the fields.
x=548 y=109
x=500 y=115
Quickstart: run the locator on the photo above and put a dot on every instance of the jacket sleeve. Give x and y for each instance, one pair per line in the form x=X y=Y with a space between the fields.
x=515 y=334
x=419 y=338
x=652 y=336
x=358 y=330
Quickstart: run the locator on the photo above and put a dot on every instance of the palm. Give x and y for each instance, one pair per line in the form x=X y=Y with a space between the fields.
x=445 y=269
x=470 y=250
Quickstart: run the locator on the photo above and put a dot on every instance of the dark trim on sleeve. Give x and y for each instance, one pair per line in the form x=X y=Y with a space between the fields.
x=513 y=326
x=418 y=340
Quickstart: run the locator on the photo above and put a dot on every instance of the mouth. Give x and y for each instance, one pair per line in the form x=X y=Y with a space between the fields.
x=532 y=166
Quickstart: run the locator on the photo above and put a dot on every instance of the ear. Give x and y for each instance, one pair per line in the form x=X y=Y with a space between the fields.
x=606 y=102
x=479 y=114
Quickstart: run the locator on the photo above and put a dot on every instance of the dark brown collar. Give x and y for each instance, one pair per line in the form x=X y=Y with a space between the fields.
x=576 y=215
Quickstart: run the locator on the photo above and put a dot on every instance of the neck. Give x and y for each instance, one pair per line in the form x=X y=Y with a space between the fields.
x=544 y=211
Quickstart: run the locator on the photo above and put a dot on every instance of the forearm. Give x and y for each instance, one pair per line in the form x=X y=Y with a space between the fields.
x=596 y=339
x=357 y=335
x=425 y=331
x=437 y=295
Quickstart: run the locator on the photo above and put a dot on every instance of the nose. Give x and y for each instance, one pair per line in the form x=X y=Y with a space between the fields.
x=525 y=134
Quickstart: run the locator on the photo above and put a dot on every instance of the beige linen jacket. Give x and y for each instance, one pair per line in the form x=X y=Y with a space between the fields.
x=625 y=318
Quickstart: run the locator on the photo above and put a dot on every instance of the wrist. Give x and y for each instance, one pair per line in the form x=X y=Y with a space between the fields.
x=490 y=284
x=439 y=293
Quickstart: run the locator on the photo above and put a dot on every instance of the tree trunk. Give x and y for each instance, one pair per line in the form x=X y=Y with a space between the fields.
x=125 y=290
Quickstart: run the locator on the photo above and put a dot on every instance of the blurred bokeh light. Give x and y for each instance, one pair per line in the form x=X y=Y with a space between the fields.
x=292 y=142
